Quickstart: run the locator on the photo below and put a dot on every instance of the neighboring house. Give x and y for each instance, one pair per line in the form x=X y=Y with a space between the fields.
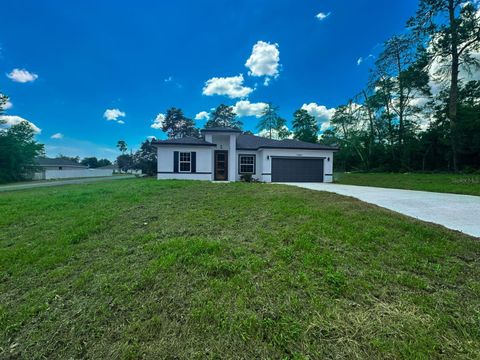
x=225 y=154
x=112 y=167
x=48 y=169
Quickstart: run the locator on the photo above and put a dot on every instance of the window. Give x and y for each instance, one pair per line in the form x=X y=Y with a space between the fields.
x=247 y=164
x=185 y=160
x=60 y=168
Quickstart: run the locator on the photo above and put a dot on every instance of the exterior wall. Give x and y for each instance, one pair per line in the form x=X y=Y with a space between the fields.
x=204 y=167
x=65 y=167
x=72 y=173
x=232 y=158
x=226 y=141
x=258 y=163
x=267 y=162
x=39 y=175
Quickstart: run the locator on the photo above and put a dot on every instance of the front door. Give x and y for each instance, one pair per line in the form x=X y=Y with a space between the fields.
x=221 y=165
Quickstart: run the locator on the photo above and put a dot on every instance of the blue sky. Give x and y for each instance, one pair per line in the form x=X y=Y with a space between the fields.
x=140 y=58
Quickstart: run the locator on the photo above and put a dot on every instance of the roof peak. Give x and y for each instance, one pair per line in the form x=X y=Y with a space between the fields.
x=221 y=129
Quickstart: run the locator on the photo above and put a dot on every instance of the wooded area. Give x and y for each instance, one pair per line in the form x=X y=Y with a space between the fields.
x=421 y=107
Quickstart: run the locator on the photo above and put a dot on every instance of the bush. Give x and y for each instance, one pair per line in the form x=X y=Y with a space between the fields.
x=246 y=177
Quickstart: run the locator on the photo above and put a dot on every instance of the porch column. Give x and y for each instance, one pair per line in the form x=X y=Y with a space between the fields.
x=232 y=158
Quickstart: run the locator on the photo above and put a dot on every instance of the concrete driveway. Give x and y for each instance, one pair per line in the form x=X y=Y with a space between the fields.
x=457 y=212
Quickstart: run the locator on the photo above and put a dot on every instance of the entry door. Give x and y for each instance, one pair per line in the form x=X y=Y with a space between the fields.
x=221 y=165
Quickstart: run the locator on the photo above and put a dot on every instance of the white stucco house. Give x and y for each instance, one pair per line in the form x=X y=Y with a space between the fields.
x=225 y=154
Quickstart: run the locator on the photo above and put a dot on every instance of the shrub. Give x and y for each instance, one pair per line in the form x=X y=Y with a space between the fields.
x=246 y=177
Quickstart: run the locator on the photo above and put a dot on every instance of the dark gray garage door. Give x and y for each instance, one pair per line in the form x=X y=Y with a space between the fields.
x=297 y=170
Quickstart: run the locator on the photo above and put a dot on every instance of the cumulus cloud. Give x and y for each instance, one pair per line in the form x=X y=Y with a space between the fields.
x=22 y=76
x=438 y=79
x=57 y=136
x=158 y=122
x=114 y=115
x=11 y=120
x=322 y=16
x=264 y=61
x=202 y=115
x=228 y=86
x=246 y=108
x=275 y=135
x=321 y=113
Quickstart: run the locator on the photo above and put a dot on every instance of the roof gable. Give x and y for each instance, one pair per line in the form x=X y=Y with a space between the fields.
x=187 y=140
x=221 y=129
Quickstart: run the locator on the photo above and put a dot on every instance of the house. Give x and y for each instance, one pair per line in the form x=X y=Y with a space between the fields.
x=112 y=167
x=225 y=154
x=48 y=168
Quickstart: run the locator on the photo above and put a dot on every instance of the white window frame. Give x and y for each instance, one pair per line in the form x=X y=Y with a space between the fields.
x=240 y=163
x=180 y=161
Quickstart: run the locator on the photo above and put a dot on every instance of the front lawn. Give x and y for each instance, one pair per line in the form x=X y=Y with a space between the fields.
x=445 y=183
x=177 y=269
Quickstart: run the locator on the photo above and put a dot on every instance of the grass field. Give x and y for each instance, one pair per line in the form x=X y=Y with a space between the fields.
x=445 y=183
x=175 y=269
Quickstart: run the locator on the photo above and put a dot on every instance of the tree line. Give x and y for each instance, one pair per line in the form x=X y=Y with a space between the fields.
x=417 y=112
x=270 y=124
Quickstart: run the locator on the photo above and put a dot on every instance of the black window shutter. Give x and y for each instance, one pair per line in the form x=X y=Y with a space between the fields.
x=175 y=161
x=194 y=161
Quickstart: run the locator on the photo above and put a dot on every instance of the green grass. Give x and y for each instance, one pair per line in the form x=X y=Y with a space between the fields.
x=175 y=269
x=445 y=183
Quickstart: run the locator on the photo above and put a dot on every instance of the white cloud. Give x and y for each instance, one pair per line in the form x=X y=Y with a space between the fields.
x=158 y=122
x=246 y=108
x=321 y=113
x=202 y=115
x=171 y=80
x=264 y=61
x=228 y=86
x=57 y=136
x=439 y=81
x=361 y=60
x=322 y=16
x=8 y=105
x=11 y=120
x=22 y=76
x=114 y=115
x=266 y=133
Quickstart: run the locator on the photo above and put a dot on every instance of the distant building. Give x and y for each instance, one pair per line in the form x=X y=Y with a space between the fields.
x=48 y=168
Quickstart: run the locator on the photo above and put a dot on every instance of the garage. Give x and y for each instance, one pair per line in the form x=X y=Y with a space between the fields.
x=297 y=169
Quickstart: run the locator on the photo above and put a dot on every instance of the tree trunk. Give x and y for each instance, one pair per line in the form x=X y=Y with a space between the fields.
x=372 y=128
x=453 y=95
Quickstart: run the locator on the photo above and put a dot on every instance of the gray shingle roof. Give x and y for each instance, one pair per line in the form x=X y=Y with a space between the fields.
x=43 y=161
x=248 y=142
x=188 y=140
x=221 y=129
x=252 y=142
